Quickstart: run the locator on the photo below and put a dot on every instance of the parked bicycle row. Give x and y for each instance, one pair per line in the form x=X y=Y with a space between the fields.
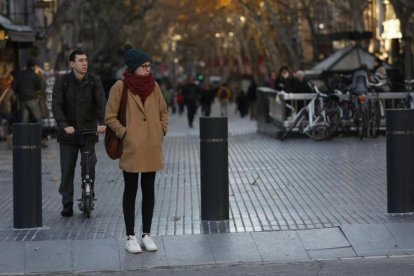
x=351 y=105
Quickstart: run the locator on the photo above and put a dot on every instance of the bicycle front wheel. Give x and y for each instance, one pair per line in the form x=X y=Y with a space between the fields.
x=327 y=124
x=296 y=122
x=87 y=204
x=362 y=122
x=319 y=132
x=333 y=120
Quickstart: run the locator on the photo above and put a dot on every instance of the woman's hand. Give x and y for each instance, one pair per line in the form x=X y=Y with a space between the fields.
x=101 y=129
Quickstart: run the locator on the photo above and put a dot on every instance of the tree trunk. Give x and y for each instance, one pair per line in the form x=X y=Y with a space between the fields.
x=284 y=37
x=263 y=34
x=306 y=11
x=403 y=11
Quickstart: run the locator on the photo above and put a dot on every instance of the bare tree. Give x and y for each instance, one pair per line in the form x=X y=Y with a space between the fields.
x=237 y=34
x=97 y=26
x=308 y=10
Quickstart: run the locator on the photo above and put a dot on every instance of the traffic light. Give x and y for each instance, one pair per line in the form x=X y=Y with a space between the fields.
x=200 y=77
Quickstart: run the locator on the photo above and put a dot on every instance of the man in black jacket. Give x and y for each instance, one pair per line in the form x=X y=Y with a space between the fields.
x=27 y=87
x=191 y=93
x=78 y=103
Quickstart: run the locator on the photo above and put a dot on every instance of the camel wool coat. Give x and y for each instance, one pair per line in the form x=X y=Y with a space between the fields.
x=146 y=126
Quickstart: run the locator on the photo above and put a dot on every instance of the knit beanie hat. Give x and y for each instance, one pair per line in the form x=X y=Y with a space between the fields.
x=135 y=58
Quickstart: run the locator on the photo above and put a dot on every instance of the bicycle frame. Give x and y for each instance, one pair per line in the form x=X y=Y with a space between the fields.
x=318 y=126
x=368 y=110
x=313 y=119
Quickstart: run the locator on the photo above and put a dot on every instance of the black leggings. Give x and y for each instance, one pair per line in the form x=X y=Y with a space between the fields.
x=128 y=201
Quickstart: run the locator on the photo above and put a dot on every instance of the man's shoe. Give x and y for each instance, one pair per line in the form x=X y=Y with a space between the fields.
x=132 y=245
x=149 y=244
x=67 y=211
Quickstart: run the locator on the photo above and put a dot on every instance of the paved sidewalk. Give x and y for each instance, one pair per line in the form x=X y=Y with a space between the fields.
x=291 y=200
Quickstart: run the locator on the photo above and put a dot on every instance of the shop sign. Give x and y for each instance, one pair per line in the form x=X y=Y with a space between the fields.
x=391 y=29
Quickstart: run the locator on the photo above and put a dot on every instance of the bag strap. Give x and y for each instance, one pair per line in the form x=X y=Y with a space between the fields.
x=122 y=106
x=4 y=94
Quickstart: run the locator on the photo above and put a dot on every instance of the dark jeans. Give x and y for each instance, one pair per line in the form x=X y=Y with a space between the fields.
x=68 y=158
x=28 y=108
x=180 y=109
x=148 y=201
x=206 y=107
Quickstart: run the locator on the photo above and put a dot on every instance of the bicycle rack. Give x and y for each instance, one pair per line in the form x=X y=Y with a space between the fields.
x=282 y=106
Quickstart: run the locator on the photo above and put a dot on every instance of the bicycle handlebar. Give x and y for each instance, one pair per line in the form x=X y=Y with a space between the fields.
x=86 y=131
x=377 y=84
x=315 y=88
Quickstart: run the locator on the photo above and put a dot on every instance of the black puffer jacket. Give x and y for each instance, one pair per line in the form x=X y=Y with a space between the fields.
x=27 y=85
x=77 y=103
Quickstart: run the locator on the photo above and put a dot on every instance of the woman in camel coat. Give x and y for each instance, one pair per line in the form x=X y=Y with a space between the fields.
x=146 y=126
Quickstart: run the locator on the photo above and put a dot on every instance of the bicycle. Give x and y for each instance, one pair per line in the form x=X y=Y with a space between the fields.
x=86 y=202
x=323 y=117
x=364 y=110
x=376 y=108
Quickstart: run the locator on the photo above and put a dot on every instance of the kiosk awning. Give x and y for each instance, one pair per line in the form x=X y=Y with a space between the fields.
x=17 y=33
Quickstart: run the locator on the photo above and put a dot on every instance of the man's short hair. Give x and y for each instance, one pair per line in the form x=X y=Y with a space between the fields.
x=75 y=53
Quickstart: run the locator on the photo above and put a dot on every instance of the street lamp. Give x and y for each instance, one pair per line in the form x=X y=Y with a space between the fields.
x=3 y=35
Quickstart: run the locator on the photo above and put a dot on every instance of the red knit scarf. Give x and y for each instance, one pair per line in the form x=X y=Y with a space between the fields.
x=139 y=85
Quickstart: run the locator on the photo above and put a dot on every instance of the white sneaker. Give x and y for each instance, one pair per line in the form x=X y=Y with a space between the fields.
x=149 y=244
x=132 y=245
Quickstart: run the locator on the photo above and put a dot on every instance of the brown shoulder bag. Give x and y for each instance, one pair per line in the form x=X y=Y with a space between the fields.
x=113 y=144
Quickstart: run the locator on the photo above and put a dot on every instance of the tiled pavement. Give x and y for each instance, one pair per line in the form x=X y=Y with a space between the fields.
x=312 y=190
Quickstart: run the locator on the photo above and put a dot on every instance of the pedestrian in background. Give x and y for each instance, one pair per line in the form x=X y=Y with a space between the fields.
x=379 y=76
x=180 y=101
x=241 y=101
x=191 y=93
x=271 y=81
x=206 y=99
x=7 y=106
x=78 y=103
x=224 y=95
x=284 y=80
x=146 y=126
x=252 y=98
x=28 y=86
x=44 y=111
x=300 y=84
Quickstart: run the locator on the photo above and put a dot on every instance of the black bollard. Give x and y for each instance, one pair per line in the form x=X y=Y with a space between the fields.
x=214 y=168
x=27 y=176
x=400 y=160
